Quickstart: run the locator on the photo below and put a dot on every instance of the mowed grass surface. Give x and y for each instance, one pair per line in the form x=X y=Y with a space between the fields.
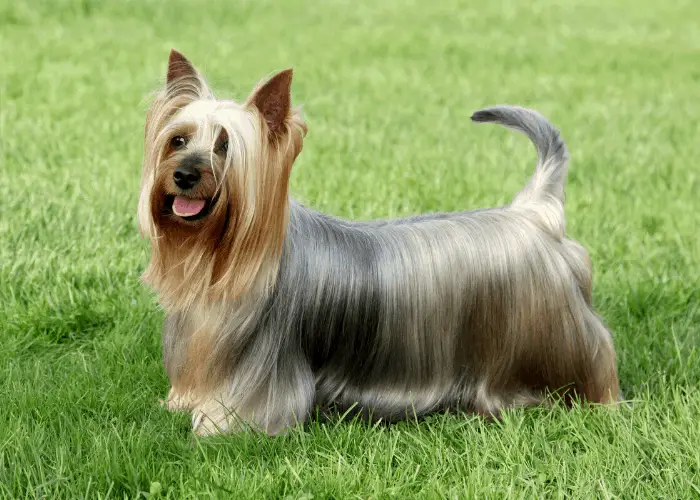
x=388 y=88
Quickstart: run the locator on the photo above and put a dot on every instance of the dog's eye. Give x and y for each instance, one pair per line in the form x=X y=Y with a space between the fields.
x=222 y=147
x=178 y=142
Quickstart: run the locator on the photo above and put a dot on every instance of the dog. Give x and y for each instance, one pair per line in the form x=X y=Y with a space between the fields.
x=275 y=310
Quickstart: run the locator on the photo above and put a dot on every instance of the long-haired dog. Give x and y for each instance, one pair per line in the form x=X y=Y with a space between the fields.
x=274 y=309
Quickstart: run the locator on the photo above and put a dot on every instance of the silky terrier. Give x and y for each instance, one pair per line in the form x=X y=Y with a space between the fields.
x=275 y=310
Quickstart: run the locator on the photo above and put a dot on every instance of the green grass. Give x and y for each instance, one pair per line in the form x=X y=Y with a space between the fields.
x=388 y=87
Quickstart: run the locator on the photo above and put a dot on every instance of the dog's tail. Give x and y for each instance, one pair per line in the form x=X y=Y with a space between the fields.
x=547 y=184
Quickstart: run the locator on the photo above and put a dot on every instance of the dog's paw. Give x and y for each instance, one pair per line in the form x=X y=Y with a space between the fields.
x=203 y=426
x=176 y=402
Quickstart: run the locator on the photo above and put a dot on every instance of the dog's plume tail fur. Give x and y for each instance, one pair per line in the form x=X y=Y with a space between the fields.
x=547 y=184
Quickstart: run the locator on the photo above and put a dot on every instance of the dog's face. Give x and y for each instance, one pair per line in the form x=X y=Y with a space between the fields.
x=214 y=183
x=192 y=162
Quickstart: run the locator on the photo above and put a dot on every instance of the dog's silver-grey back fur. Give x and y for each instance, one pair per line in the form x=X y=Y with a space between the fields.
x=479 y=310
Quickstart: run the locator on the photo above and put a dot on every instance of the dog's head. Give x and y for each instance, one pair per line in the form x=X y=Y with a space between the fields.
x=214 y=188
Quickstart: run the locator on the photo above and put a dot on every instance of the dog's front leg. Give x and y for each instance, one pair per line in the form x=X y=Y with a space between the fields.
x=182 y=363
x=177 y=402
x=274 y=406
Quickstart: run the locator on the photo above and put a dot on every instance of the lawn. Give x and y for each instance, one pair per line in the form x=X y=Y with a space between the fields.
x=388 y=88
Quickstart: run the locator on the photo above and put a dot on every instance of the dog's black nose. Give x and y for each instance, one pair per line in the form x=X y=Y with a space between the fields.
x=186 y=176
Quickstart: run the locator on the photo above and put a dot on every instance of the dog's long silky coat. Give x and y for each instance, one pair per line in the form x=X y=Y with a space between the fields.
x=274 y=308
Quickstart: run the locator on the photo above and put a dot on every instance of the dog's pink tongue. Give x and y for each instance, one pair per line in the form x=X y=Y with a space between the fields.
x=186 y=207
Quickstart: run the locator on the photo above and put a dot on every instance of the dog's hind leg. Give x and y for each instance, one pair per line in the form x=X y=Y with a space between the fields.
x=585 y=366
x=603 y=384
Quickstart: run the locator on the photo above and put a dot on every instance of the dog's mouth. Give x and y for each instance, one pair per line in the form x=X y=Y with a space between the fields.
x=189 y=209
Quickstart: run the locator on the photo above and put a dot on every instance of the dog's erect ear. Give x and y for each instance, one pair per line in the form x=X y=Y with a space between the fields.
x=179 y=67
x=182 y=73
x=273 y=100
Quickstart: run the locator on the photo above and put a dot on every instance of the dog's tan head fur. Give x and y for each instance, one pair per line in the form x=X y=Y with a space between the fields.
x=227 y=239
